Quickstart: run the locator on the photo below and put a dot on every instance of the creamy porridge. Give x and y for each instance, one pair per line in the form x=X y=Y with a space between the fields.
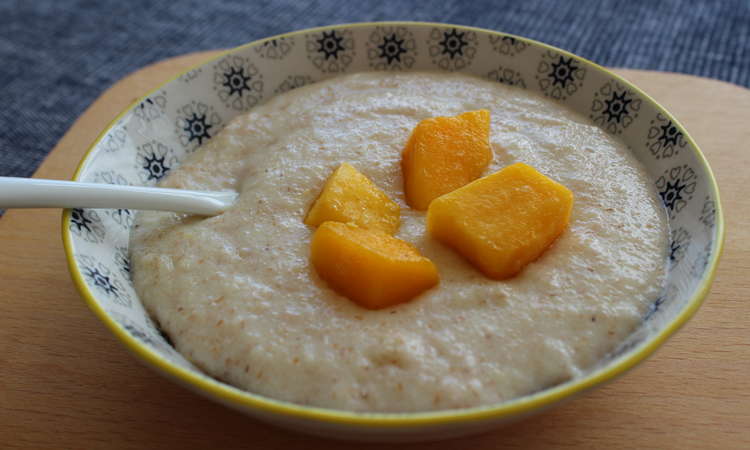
x=239 y=297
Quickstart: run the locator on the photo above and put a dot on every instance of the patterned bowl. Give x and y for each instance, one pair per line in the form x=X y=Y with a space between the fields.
x=165 y=126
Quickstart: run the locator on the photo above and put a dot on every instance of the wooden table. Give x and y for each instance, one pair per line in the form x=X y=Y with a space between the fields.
x=65 y=382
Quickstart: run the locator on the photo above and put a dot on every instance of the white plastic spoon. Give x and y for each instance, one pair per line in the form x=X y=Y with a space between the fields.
x=35 y=193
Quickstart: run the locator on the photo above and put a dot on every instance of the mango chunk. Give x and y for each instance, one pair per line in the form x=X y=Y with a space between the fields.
x=444 y=154
x=504 y=221
x=370 y=267
x=349 y=196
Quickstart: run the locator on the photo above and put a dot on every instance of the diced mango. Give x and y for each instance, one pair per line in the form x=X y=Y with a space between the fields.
x=349 y=196
x=504 y=221
x=444 y=154
x=371 y=268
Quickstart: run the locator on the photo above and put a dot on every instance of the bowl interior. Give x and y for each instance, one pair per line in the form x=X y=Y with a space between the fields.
x=161 y=129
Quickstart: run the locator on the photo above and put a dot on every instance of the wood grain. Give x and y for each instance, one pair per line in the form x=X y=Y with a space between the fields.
x=65 y=382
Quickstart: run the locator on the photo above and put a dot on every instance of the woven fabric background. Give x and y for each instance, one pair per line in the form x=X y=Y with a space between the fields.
x=58 y=56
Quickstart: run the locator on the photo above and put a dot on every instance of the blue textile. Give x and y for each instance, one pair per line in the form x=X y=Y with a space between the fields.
x=58 y=56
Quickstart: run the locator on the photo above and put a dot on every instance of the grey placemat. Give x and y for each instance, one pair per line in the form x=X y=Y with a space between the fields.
x=59 y=56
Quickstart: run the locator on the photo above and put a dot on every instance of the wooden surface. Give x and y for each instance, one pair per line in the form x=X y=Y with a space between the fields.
x=65 y=382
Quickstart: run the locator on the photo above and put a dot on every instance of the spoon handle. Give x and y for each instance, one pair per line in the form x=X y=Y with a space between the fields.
x=35 y=193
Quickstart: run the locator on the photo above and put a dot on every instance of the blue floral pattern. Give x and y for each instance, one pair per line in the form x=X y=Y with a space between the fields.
x=678 y=246
x=238 y=83
x=615 y=107
x=196 y=122
x=391 y=48
x=100 y=278
x=154 y=160
x=676 y=187
x=665 y=139
x=331 y=51
x=559 y=76
x=86 y=224
x=452 y=49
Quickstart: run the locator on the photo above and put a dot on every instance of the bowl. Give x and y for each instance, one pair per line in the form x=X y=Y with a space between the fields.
x=163 y=127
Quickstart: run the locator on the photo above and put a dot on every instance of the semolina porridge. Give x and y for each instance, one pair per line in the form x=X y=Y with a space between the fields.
x=239 y=298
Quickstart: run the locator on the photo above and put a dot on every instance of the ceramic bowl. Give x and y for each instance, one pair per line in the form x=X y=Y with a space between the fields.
x=162 y=128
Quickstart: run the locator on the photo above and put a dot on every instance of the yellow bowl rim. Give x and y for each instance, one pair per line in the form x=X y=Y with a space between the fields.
x=513 y=408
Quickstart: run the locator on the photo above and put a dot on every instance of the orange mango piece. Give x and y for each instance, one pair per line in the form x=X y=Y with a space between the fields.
x=349 y=196
x=504 y=221
x=370 y=267
x=444 y=154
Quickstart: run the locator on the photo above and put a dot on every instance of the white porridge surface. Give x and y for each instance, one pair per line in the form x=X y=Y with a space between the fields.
x=239 y=298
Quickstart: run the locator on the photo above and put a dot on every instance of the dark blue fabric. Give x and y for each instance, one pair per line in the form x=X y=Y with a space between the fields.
x=57 y=56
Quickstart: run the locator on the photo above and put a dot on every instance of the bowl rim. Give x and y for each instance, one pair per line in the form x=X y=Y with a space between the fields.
x=521 y=406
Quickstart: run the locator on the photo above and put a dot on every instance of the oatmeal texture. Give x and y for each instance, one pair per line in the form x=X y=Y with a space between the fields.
x=240 y=299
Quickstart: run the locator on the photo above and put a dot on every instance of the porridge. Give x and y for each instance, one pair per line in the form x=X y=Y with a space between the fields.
x=239 y=298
